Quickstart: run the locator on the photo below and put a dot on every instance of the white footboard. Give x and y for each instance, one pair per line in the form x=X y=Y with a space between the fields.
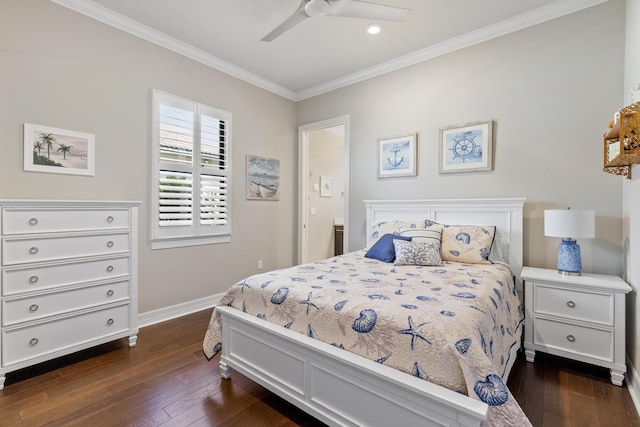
x=336 y=386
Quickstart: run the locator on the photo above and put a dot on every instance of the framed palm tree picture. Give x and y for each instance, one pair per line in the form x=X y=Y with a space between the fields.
x=53 y=150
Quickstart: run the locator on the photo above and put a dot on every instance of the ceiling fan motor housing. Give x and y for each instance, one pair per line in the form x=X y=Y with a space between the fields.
x=317 y=7
x=360 y=9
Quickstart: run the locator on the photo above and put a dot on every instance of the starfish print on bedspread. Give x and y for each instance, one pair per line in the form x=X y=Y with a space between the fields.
x=243 y=285
x=309 y=303
x=413 y=331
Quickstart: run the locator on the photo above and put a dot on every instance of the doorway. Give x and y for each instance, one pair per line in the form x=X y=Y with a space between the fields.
x=323 y=192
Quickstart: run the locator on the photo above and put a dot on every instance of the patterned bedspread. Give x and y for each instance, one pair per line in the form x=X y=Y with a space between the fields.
x=452 y=325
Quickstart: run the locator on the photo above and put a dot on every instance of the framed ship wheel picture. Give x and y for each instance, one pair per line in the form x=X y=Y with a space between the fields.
x=466 y=148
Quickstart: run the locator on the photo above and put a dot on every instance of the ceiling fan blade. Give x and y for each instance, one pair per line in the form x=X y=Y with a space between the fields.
x=298 y=16
x=366 y=10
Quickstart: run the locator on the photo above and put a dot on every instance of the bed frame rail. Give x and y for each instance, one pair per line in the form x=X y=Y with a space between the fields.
x=337 y=387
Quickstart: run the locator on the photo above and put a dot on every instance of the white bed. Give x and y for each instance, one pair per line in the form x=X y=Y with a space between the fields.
x=342 y=388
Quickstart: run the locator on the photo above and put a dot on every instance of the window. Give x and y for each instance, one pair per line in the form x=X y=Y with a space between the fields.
x=191 y=145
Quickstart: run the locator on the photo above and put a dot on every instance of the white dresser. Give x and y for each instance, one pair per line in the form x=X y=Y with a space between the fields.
x=68 y=279
x=578 y=317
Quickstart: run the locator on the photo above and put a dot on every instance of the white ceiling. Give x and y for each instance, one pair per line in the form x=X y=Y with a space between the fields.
x=320 y=53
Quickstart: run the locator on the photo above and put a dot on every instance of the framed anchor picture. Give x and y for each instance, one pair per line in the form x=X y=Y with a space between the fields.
x=397 y=156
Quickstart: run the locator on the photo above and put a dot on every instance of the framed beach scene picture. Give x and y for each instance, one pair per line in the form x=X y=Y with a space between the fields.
x=263 y=178
x=53 y=150
x=397 y=156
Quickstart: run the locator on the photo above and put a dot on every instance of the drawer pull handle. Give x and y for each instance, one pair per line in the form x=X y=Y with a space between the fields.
x=571 y=304
x=110 y=293
x=33 y=308
x=33 y=250
x=571 y=338
x=109 y=219
x=33 y=341
x=110 y=268
x=110 y=244
x=33 y=221
x=33 y=279
x=110 y=322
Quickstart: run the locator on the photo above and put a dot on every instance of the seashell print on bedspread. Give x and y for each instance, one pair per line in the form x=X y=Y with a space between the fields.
x=452 y=325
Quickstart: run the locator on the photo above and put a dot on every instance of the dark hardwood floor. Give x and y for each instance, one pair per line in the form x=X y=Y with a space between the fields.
x=166 y=381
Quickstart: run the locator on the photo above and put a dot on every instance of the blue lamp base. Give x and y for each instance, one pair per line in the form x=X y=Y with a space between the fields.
x=569 y=262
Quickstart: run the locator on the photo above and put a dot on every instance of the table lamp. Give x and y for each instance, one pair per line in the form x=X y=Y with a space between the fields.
x=569 y=224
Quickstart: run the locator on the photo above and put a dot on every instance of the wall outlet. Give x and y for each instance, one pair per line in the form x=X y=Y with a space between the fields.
x=260 y=264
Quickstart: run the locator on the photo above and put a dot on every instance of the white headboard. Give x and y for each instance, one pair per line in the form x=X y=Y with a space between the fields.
x=505 y=214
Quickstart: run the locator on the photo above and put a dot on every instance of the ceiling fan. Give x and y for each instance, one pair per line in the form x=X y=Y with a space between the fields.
x=343 y=8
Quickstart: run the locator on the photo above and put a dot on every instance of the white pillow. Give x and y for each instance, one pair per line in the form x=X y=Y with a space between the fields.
x=433 y=234
x=500 y=249
x=390 y=227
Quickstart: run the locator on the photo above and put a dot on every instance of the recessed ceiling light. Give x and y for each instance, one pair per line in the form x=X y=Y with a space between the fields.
x=373 y=29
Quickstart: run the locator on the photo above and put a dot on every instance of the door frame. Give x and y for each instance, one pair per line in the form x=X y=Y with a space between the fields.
x=303 y=182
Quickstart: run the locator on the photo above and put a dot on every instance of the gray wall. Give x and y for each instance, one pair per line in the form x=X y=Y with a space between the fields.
x=551 y=90
x=62 y=69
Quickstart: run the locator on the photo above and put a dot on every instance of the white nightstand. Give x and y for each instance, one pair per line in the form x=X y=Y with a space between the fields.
x=578 y=317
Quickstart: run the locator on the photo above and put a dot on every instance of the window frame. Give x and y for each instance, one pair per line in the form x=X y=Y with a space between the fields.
x=196 y=233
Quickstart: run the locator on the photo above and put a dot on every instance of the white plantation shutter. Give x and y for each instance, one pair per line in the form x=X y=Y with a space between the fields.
x=191 y=149
x=213 y=200
x=175 y=200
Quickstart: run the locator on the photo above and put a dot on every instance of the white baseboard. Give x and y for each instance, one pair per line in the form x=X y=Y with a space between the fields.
x=156 y=316
x=633 y=383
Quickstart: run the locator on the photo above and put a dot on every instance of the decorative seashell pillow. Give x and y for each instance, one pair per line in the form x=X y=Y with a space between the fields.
x=470 y=244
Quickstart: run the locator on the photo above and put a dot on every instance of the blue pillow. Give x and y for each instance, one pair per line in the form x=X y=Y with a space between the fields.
x=383 y=249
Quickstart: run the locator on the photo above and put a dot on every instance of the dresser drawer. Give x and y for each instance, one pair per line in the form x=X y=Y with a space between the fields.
x=32 y=220
x=18 y=280
x=24 y=250
x=591 y=342
x=574 y=304
x=36 y=307
x=20 y=344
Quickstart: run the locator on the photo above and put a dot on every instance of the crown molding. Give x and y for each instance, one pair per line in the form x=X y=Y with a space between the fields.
x=534 y=17
x=135 y=28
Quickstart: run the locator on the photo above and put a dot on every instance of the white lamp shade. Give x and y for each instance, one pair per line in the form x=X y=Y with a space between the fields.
x=569 y=223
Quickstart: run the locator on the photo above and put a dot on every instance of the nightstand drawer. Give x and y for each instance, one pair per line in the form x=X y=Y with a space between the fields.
x=19 y=251
x=18 y=220
x=38 y=340
x=574 y=304
x=19 y=310
x=17 y=280
x=591 y=342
